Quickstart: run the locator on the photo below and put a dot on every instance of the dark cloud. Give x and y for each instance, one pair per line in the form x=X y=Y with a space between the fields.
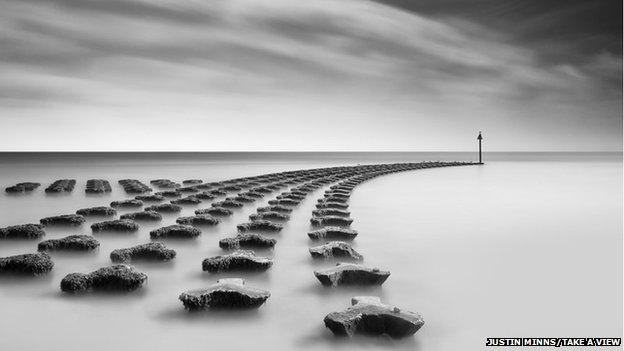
x=581 y=27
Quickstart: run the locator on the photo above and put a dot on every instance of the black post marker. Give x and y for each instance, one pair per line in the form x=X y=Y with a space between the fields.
x=480 y=138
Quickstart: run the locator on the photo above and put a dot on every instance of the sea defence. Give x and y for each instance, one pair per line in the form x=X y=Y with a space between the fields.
x=331 y=234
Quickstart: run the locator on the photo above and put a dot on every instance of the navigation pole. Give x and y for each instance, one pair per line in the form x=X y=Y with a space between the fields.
x=480 y=138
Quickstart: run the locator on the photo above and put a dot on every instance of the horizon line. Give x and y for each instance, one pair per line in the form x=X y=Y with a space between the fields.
x=299 y=151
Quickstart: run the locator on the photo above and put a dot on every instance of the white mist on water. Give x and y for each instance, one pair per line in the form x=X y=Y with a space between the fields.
x=507 y=249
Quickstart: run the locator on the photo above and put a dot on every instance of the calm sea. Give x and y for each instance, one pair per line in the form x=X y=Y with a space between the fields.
x=530 y=244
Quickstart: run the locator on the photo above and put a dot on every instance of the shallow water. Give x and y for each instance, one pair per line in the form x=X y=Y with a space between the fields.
x=528 y=246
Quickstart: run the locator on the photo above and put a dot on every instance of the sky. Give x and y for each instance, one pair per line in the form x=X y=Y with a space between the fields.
x=314 y=75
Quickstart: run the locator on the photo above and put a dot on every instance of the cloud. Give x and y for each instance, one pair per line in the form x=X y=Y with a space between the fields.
x=244 y=55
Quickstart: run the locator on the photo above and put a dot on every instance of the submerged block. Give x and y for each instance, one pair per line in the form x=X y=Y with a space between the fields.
x=189 y=200
x=22 y=187
x=331 y=220
x=164 y=208
x=150 y=198
x=164 y=183
x=192 y=181
x=98 y=186
x=228 y=203
x=332 y=204
x=142 y=216
x=175 y=231
x=247 y=240
x=149 y=251
x=237 y=261
x=26 y=264
x=261 y=225
x=270 y=215
x=333 y=233
x=61 y=185
x=203 y=219
x=133 y=186
x=169 y=193
x=117 y=225
x=97 y=211
x=22 y=231
x=275 y=208
x=290 y=195
x=70 y=219
x=132 y=203
x=113 y=278
x=331 y=212
x=214 y=211
x=368 y=315
x=351 y=274
x=337 y=249
x=188 y=189
x=226 y=293
x=205 y=195
x=285 y=202
x=341 y=200
x=70 y=243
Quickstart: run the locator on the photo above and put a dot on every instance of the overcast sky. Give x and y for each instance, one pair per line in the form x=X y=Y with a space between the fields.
x=237 y=75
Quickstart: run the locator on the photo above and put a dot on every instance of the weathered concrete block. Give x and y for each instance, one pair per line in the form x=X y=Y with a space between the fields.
x=188 y=189
x=270 y=215
x=226 y=293
x=97 y=211
x=329 y=204
x=335 y=249
x=150 y=251
x=333 y=233
x=204 y=219
x=150 y=198
x=70 y=219
x=247 y=241
x=142 y=216
x=261 y=225
x=205 y=195
x=132 y=203
x=351 y=274
x=22 y=231
x=284 y=202
x=164 y=208
x=227 y=204
x=275 y=208
x=368 y=315
x=164 y=183
x=189 y=200
x=192 y=181
x=169 y=194
x=117 y=225
x=331 y=220
x=113 y=278
x=175 y=231
x=133 y=186
x=22 y=187
x=214 y=211
x=331 y=212
x=61 y=185
x=241 y=260
x=26 y=264
x=70 y=243
x=98 y=186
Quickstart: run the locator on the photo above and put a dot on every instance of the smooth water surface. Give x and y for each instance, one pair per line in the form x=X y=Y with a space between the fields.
x=530 y=246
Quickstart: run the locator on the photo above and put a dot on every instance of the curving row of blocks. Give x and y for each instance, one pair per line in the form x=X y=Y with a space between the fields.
x=331 y=221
